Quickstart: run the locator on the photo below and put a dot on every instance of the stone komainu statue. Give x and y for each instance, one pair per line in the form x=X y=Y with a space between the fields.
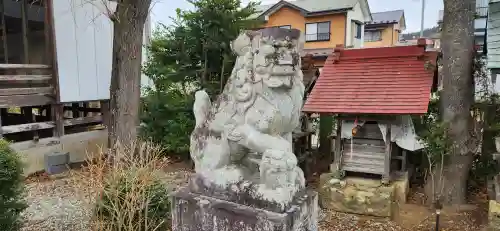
x=247 y=133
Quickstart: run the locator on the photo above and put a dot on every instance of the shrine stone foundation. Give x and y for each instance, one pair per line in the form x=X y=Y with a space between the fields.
x=363 y=196
x=494 y=215
x=199 y=207
x=494 y=205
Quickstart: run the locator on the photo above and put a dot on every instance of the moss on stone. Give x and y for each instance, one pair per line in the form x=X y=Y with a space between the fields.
x=356 y=195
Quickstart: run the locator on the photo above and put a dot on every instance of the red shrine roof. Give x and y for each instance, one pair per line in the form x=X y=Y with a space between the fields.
x=387 y=80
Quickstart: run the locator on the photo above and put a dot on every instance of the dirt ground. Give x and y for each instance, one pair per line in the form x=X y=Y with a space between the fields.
x=46 y=192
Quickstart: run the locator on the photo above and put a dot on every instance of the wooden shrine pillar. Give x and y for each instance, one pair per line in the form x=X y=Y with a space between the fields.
x=57 y=109
x=337 y=159
x=75 y=110
x=387 y=156
x=57 y=114
x=105 y=112
x=403 y=160
x=25 y=31
x=325 y=130
x=1 y=131
x=4 y=33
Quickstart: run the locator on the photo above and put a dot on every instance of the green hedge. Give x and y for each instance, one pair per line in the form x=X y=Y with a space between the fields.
x=167 y=119
x=11 y=188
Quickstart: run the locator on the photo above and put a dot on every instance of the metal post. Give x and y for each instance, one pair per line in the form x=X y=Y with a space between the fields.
x=438 y=212
x=422 y=20
x=438 y=207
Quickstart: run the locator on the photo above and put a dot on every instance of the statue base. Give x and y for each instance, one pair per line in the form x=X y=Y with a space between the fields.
x=195 y=211
x=245 y=193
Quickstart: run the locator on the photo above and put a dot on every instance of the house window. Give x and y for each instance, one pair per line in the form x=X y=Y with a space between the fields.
x=372 y=36
x=318 y=31
x=358 y=30
x=285 y=27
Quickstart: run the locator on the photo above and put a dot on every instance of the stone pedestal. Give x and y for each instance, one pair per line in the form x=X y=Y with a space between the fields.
x=362 y=196
x=494 y=216
x=229 y=210
x=494 y=205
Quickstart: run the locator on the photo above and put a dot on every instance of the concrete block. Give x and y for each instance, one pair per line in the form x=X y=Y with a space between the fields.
x=56 y=162
x=57 y=158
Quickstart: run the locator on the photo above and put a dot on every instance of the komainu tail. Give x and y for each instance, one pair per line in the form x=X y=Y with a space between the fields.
x=201 y=107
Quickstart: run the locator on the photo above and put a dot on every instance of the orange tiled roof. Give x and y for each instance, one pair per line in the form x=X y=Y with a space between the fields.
x=387 y=80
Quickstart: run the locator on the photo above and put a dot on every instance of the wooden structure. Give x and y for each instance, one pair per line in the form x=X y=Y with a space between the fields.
x=367 y=150
x=309 y=71
x=376 y=86
x=52 y=84
x=492 y=45
x=302 y=141
x=302 y=147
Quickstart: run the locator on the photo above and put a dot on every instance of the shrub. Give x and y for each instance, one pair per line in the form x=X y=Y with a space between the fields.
x=127 y=191
x=167 y=119
x=11 y=188
x=134 y=200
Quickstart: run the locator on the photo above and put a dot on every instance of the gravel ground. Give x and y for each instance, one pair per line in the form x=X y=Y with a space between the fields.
x=334 y=221
x=57 y=205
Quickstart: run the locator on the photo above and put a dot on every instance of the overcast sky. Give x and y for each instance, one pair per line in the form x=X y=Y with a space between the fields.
x=164 y=9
